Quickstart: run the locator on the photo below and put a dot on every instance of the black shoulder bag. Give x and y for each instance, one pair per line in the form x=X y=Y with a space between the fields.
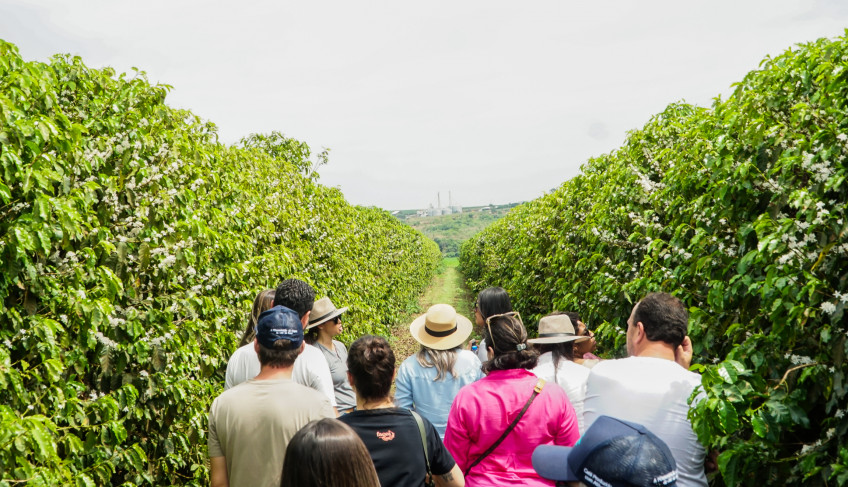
x=536 y=390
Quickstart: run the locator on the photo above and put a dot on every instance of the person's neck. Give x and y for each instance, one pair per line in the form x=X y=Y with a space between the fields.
x=274 y=373
x=364 y=404
x=656 y=350
x=325 y=340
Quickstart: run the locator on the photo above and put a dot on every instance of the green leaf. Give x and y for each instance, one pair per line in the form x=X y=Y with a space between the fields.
x=5 y=194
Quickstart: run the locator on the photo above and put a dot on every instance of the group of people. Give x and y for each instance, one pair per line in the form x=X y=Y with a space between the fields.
x=301 y=409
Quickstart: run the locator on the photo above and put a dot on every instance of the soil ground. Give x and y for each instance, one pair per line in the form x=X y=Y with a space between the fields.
x=448 y=286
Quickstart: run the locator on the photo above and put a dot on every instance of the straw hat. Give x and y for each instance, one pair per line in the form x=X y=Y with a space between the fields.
x=556 y=329
x=441 y=328
x=322 y=311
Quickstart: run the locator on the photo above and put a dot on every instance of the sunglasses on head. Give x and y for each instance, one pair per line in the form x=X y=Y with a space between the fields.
x=502 y=315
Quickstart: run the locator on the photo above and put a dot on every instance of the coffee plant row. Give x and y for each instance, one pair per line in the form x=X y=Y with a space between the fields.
x=739 y=210
x=132 y=244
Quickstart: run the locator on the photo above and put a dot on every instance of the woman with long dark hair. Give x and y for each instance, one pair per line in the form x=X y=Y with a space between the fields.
x=327 y=452
x=391 y=434
x=495 y=423
x=325 y=323
x=491 y=301
x=429 y=380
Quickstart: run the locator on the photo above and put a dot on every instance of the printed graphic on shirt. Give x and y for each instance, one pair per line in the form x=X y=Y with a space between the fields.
x=387 y=435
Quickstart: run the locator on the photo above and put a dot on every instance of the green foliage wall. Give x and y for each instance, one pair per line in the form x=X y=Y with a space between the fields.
x=739 y=210
x=131 y=247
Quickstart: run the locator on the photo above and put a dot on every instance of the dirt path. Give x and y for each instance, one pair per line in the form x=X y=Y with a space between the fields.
x=447 y=287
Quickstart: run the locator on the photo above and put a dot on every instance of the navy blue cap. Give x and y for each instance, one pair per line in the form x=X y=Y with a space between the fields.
x=279 y=323
x=612 y=452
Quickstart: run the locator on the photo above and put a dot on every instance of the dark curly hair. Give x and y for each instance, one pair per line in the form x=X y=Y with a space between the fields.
x=295 y=295
x=506 y=337
x=371 y=363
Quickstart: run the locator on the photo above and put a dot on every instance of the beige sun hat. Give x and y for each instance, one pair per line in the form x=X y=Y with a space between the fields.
x=323 y=311
x=556 y=329
x=441 y=328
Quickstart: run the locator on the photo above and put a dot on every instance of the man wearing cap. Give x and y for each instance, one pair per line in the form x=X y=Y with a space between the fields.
x=310 y=368
x=612 y=453
x=650 y=387
x=250 y=426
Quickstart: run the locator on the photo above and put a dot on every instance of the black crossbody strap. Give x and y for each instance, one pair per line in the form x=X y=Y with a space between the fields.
x=423 y=433
x=536 y=390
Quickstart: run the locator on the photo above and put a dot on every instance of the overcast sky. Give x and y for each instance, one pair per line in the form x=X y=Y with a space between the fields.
x=495 y=101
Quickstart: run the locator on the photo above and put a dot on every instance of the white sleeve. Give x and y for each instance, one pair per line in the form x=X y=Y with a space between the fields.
x=242 y=366
x=311 y=369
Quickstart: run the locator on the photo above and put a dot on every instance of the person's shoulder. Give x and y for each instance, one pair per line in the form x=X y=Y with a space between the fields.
x=243 y=352
x=306 y=395
x=235 y=393
x=311 y=352
x=574 y=370
x=339 y=344
x=611 y=370
x=410 y=361
x=468 y=357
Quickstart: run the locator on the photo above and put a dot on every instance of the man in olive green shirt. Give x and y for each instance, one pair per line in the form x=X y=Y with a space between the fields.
x=250 y=425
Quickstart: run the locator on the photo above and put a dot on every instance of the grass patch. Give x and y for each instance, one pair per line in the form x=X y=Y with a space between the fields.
x=448 y=287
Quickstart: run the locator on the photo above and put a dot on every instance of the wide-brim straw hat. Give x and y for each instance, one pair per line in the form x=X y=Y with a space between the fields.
x=441 y=328
x=323 y=311
x=556 y=329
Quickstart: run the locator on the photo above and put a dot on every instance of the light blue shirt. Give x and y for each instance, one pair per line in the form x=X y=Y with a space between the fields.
x=415 y=388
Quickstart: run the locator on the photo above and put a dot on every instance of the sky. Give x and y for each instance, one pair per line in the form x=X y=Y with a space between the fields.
x=493 y=101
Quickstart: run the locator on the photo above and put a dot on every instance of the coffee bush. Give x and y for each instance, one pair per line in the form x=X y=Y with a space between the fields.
x=740 y=211
x=132 y=244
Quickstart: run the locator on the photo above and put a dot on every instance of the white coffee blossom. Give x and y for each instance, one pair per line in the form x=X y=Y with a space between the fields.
x=798 y=359
x=828 y=307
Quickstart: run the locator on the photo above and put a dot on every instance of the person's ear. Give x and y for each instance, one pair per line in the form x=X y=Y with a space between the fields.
x=350 y=380
x=304 y=320
x=490 y=352
x=256 y=345
x=640 y=332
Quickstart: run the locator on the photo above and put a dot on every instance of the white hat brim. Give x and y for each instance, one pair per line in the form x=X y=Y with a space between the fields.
x=562 y=339
x=327 y=318
x=455 y=339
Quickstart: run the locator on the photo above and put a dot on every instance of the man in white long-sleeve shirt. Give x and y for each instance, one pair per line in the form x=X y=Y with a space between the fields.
x=653 y=385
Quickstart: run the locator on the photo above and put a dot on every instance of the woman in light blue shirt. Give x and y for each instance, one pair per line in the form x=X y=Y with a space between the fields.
x=429 y=380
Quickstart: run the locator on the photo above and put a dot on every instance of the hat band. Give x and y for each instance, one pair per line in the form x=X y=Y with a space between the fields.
x=322 y=317
x=547 y=335
x=439 y=333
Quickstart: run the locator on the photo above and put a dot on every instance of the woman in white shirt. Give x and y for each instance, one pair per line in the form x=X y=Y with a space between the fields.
x=556 y=363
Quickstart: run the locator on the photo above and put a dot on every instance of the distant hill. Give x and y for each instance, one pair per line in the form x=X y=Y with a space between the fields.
x=449 y=231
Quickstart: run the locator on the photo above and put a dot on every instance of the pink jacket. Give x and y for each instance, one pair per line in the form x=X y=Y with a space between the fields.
x=482 y=411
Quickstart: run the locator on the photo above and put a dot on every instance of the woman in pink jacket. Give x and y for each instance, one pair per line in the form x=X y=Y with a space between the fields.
x=489 y=446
